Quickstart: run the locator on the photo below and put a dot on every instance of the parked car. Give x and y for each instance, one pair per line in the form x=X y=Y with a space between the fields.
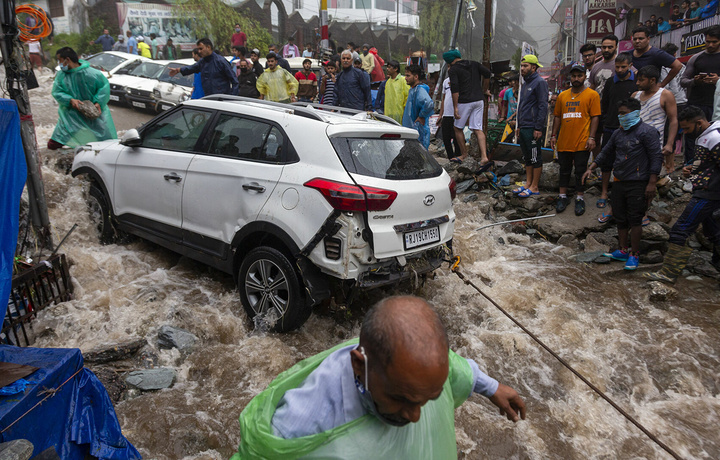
x=171 y=91
x=113 y=62
x=295 y=202
x=136 y=78
x=139 y=92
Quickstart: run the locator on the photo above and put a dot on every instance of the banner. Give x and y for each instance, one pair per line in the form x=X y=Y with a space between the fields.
x=600 y=20
x=693 y=42
x=162 y=20
x=568 y=18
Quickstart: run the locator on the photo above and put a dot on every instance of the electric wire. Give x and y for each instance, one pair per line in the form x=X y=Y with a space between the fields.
x=42 y=27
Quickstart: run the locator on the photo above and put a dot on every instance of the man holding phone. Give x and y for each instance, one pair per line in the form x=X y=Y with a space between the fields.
x=701 y=74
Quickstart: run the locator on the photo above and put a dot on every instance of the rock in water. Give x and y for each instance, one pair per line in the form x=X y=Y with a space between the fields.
x=174 y=337
x=151 y=379
x=88 y=110
x=660 y=292
x=115 y=352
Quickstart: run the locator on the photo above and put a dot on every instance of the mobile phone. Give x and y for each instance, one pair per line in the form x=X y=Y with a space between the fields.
x=703 y=74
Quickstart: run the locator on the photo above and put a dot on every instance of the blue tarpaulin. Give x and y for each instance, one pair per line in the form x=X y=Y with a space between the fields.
x=78 y=419
x=13 y=172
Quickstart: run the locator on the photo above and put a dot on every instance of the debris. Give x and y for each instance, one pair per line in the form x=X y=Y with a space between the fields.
x=660 y=292
x=115 y=352
x=174 y=337
x=151 y=379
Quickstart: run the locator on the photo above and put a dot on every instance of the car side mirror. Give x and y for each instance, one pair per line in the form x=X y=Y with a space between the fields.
x=131 y=138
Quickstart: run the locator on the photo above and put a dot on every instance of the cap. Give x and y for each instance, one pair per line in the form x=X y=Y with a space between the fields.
x=357 y=59
x=578 y=67
x=256 y=51
x=365 y=45
x=531 y=59
x=140 y=38
x=121 y=37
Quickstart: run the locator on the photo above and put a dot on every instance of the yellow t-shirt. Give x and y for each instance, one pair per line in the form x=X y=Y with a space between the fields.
x=144 y=50
x=575 y=112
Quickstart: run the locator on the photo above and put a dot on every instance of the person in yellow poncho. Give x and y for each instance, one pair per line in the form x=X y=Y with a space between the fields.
x=396 y=92
x=77 y=82
x=277 y=84
x=391 y=394
x=143 y=48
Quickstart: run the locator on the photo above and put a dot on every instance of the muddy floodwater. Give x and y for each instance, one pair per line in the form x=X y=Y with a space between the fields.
x=657 y=360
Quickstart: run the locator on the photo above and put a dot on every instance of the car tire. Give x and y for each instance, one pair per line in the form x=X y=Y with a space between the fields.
x=101 y=215
x=270 y=290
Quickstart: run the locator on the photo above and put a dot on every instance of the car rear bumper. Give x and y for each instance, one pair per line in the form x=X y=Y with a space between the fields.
x=426 y=262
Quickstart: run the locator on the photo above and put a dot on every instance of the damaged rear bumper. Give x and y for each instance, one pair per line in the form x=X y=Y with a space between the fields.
x=427 y=262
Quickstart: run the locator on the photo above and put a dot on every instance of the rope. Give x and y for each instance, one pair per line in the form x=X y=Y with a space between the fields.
x=455 y=262
x=50 y=392
x=42 y=27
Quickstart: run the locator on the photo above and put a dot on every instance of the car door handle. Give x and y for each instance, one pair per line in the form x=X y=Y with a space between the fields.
x=172 y=177
x=254 y=186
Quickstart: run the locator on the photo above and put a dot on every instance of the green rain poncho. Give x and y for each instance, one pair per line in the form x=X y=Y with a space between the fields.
x=277 y=85
x=432 y=437
x=82 y=83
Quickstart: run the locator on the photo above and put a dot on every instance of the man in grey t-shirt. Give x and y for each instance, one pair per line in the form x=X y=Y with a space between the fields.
x=605 y=69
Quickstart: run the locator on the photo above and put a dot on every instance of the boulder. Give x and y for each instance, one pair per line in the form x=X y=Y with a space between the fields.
x=470 y=198
x=568 y=241
x=469 y=166
x=529 y=204
x=174 y=337
x=17 y=449
x=115 y=352
x=653 y=257
x=655 y=232
x=700 y=264
x=550 y=177
x=593 y=243
x=151 y=379
x=660 y=292
x=512 y=167
x=659 y=215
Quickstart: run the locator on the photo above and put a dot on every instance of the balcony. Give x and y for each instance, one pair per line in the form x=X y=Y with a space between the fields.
x=672 y=36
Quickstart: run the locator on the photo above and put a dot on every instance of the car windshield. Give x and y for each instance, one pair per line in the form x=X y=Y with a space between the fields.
x=395 y=159
x=147 y=69
x=179 y=79
x=105 y=61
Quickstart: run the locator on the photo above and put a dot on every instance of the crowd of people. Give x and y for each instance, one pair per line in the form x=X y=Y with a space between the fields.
x=687 y=12
x=634 y=113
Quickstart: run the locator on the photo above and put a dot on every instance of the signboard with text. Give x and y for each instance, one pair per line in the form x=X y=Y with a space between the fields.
x=693 y=42
x=162 y=20
x=600 y=20
x=568 y=18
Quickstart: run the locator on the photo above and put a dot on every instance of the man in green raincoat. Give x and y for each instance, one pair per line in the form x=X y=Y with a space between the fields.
x=77 y=82
x=390 y=395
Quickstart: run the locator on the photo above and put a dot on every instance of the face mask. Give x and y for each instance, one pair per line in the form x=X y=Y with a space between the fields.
x=369 y=404
x=237 y=30
x=64 y=67
x=629 y=120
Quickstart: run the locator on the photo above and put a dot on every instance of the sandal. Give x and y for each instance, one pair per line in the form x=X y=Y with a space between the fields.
x=456 y=160
x=519 y=190
x=601 y=203
x=645 y=221
x=527 y=193
x=604 y=218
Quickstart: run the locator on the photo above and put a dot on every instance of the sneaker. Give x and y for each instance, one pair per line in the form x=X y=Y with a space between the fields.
x=579 y=207
x=561 y=204
x=618 y=254
x=632 y=262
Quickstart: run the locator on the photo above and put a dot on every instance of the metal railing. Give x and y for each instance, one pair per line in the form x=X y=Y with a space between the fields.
x=33 y=290
x=671 y=36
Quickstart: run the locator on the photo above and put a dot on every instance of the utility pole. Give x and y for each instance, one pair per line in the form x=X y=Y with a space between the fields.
x=487 y=39
x=16 y=71
x=453 y=45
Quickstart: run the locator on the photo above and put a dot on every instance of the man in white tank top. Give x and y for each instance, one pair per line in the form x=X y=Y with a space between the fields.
x=657 y=106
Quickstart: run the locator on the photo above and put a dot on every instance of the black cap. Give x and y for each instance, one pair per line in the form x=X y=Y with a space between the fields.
x=579 y=67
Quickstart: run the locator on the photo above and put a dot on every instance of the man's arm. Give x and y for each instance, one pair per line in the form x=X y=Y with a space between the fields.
x=688 y=78
x=261 y=86
x=651 y=141
x=674 y=69
x=292 y=85
x=667 y=100
x=555 y=131
x=230 y=75
x=426 y=107
x=505 y=398
x=542 y=113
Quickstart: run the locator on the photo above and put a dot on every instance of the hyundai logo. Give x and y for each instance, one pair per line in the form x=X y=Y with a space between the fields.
x=429 y=200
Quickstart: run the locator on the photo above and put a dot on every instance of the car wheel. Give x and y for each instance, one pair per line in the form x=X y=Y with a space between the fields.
x=100 y=215
x=270 y=290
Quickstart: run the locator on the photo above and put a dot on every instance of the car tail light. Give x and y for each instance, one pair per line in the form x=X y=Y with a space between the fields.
x=390 y=136
x=347 y=197
x=453 y=189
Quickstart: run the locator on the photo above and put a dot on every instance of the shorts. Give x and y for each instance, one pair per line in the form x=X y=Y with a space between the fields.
x=471 y=114
x=530 y=148
x=629 y=203
x=36 y=60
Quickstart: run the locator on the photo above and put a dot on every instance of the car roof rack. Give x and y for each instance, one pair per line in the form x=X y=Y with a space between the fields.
x=303 y=112
x=346 y=111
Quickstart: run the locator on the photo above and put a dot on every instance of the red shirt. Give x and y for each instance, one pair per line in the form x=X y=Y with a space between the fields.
x=301 y=76
x=239 y=39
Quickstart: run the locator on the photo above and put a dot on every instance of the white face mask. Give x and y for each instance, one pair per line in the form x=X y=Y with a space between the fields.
x=367 y=401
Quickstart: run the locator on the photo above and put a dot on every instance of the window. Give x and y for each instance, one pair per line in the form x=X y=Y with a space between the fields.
x=105 y=61
x=394 y=159
x=385 y=5
x=297 y=4
x=56 y=9
x=179 y=130
x=178 y=79
x=247 y=139
x=363 y=4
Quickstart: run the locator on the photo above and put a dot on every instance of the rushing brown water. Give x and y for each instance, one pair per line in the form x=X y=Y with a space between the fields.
x=659 y=361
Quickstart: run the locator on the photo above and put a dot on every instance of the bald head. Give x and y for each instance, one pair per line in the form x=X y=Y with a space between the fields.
x=404 y=325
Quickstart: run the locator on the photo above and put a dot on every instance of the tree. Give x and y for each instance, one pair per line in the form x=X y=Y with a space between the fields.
x=218 y=23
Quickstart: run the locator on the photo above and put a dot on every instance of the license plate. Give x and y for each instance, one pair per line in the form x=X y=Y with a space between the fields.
x=166 y=107
x=114 y=98
x=139 y=104
x=422 y=237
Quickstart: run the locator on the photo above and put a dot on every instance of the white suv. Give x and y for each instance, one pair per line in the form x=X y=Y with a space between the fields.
x=297 y=202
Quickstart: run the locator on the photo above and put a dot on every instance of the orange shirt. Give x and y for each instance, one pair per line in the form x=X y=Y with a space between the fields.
x=575 y=112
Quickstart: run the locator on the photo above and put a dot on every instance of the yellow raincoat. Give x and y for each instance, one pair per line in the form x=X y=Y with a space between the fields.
x=396 y=94
x=82 y=83
x=277 y=85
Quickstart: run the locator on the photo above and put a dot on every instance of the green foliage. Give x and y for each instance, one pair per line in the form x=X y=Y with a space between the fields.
x=79 y=42
x=516 y=58
x=219 y=24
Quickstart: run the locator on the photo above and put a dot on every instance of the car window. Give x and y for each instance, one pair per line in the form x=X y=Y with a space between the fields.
x=105 y=61
x=246 y=139
x=179 y=79
x=129 y=67
x=395 y=159
x=147 y=69
x=179 y=130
